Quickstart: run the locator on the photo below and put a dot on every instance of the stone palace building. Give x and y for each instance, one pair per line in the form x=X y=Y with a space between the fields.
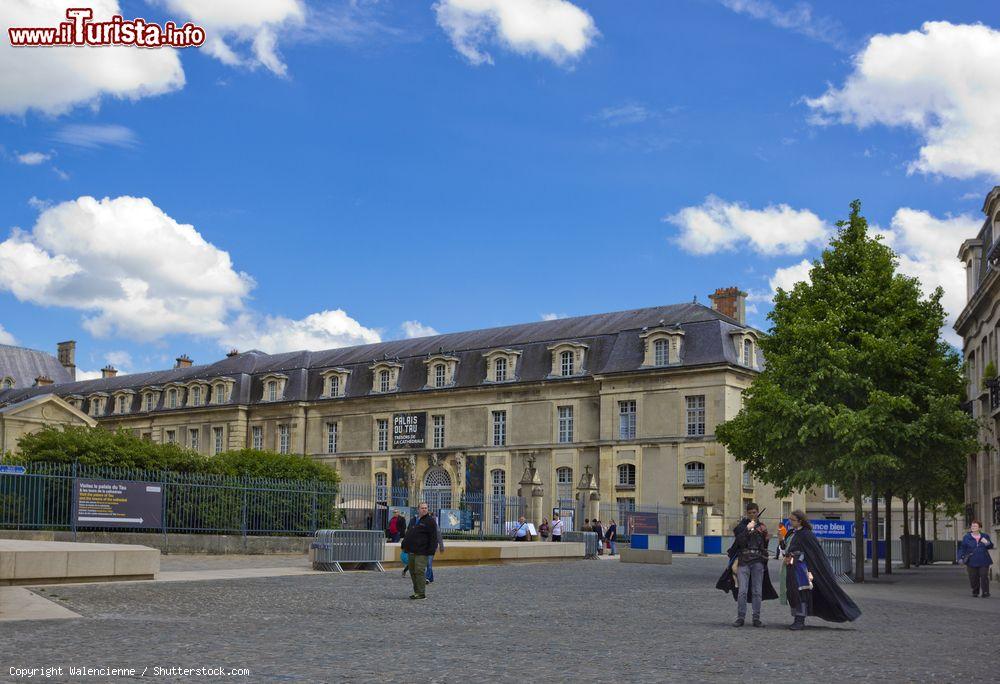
x=630 y=399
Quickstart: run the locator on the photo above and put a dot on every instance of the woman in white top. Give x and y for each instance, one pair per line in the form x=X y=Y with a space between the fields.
x=557 y=529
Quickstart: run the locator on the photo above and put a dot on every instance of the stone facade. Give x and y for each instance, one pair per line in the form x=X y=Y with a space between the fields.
x=979 y=326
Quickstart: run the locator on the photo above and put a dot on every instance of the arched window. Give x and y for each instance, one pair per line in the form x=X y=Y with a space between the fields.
x=566 y=362
x=381 y=488
x=383 y=381
x=272 y=390
x=334 y=385
x=661 y=352
x=626 y=475
x=694 y=473
x=196 y=395
x=747 y=353
x=172 y=399
x=500 y=370
x=8 y=383
x=564 y=484
x=149 y=401
x=437 y=489
x=439 y=375
x=121 y=404
x=498 y=478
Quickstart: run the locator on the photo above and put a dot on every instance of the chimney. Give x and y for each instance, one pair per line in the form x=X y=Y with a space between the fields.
x=66 y=352
x=184 y=361
x=109 y=371
x=232 y=352
x=730 y=301
x=43 y=381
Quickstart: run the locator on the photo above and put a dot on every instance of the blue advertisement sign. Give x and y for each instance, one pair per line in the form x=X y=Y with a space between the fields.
x=836 y=529
x=12 y=470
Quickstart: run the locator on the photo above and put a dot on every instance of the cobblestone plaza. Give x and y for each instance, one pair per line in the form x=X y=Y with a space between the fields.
x=579 y=620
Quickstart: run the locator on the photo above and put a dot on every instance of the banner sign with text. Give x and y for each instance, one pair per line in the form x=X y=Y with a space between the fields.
x=836 y=529
x=409 y=430
x=118 y=503
x=642 y=523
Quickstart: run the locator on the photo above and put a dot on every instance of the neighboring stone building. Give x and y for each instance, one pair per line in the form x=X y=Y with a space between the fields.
x=21 y=367
x=979 y=326
x=831 y=503
x=632 y=397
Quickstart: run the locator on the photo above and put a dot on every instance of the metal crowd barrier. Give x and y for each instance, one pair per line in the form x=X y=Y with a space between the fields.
x=588 y=538
x=333 y=547
x=841 y=555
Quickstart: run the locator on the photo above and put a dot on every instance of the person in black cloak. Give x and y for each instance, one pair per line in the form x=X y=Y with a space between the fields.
x=746 y=575
x=810 y=582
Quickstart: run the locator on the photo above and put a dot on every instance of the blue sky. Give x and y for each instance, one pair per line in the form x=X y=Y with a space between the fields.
x=348 y=167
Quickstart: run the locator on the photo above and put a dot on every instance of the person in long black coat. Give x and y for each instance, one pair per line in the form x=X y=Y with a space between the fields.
x=810 y=582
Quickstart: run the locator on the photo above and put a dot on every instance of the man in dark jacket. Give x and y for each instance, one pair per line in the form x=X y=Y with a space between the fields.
x=397 y=527
x=421 y=543
x=751 y=544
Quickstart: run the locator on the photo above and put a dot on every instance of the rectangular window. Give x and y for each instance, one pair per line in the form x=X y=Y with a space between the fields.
x=661 y=352
x=149 y=402
x=194 y=435
x=334 y=385
x=196 y=396
x=499 y=428
x=831 y=493
x=121 y=404
x=438 y=432
x=331 y=438
x=272 y=391
x=217 y=440
x=500 y=370
x=383 y=381
x=695 y=415
x=786 y=509
x=284 y=439
x=626 y=419
x=565 y=424
x=747 y=478
x=257 y=437
x=439 y=375
x=171 y=436
x=383 y=434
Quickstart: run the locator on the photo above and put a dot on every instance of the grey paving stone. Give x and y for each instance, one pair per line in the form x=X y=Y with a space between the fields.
x=582 y=621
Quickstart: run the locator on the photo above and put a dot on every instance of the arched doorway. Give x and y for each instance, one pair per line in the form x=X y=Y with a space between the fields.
x=437 y=489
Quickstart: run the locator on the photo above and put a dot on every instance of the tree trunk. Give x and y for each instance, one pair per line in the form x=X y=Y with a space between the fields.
x=906 y=532
x=888 y=532
x=874 y=532
x=934 y=530
x=923 y=533
x=859 y=538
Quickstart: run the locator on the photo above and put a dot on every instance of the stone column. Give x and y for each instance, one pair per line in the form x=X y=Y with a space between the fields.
x=531 y=489
x=588 y=496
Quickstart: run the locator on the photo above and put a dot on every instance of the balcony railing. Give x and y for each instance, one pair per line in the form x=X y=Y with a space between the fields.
x=993 y=385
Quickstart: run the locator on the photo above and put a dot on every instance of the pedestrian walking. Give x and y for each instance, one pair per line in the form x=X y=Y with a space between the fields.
x=974 y=554
x=421 y=543
x=612 y=537
x=440 y=548
x=810 y=582
x=746 y=575
x=397 y=527
x=557 y=529
x=521 y=531
x=544 y=529
x=596 y=526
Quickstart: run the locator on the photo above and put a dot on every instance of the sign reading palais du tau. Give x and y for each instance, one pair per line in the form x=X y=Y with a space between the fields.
x=116 y=503
x=409 y=430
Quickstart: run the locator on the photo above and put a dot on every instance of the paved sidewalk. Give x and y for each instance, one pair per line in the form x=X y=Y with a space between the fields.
x=940 y=585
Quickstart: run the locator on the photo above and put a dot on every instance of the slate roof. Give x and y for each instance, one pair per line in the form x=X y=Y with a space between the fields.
x=24 y=365
x=613 y=346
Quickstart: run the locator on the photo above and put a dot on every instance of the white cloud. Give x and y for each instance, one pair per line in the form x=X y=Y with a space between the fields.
x=238 y=22
x=132 y=268
x=926 y=247
x=555 y=29
x=92 y=136
x=799 y=18
x=786 y=278
x=87 y=375
x=624 y=114
x=413 y=329
x=33 y=158
x=6 y=337
x=119 y=359
x=552 y=316
x=942 y=82
x=273 y=334
x=54 y=80
x=717 y=225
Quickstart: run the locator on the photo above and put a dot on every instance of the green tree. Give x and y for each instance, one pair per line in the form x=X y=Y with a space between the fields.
x=848 y=355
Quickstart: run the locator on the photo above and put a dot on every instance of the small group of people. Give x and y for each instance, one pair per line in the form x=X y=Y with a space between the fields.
x=607 y=537
x=810 y=585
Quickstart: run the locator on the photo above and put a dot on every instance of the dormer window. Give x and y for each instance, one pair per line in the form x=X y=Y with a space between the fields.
x=566 y=363
x=661 y=346
x=272 y=390
x=747 y=352
x=97 y=405
x=150 y=397
x=219 y=391
x=171 y=398
x=7 y=383
x=196 y=395
x=441 y=370
x=661 y=352
x=500 y=369
x=385 y=376
x=745 y=343
x=121 y=405
x=334 y=382
x=567 y=359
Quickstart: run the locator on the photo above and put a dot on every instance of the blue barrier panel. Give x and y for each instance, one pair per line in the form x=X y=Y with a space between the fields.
x=640 y=541
x=713 y=544
x=675 y=543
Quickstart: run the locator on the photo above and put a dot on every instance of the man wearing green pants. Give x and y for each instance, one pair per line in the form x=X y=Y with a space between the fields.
x=420 y=542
